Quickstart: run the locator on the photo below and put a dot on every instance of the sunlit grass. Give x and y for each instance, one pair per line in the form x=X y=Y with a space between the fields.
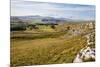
x=47 y=46
x=45 y=51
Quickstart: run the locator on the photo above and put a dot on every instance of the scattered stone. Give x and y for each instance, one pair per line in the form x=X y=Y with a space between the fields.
x=87 y=53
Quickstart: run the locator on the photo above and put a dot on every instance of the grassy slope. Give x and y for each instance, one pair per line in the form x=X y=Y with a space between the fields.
x=45 y=50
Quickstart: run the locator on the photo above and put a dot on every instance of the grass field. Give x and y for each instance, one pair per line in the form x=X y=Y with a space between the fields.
x=44 y=49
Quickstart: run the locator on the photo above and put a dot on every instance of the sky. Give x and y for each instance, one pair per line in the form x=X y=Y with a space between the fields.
x=57 y=10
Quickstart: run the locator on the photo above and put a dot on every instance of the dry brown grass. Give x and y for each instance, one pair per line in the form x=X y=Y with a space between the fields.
x=37 y=48
x=45 y=51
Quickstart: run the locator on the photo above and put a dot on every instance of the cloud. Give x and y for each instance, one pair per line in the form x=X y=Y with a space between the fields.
x=25 y=7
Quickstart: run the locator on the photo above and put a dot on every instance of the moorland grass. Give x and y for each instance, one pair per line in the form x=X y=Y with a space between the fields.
x=50 y=49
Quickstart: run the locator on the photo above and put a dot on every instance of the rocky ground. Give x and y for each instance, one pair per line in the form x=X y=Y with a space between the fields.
x=87 y=53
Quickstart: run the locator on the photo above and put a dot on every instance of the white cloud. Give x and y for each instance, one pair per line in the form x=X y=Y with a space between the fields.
x=22 y=7
x=90 y=2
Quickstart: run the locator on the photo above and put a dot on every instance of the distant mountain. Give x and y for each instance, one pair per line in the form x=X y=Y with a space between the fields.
x=38 y=18
x=51 y=20
x=14 y=19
